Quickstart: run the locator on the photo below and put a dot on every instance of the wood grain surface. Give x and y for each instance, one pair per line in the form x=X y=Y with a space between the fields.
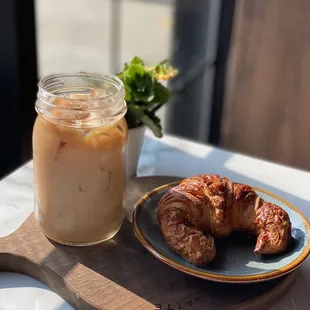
x=266 y=110
x=120 y=274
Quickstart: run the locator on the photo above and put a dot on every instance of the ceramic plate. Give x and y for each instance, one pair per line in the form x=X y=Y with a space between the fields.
x=235 y=261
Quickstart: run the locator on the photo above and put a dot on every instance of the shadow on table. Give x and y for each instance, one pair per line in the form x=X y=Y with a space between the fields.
x=125 y=262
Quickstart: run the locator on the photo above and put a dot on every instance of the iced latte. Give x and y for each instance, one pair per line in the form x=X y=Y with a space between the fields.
x=79 y=142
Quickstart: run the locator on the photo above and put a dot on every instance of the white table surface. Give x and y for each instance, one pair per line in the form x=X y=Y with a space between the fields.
x=168 y=156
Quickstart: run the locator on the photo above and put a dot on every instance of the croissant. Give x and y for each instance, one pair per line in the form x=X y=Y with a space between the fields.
x=205 y=207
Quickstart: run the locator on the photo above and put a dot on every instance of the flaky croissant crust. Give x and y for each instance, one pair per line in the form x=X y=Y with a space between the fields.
x=205 y=207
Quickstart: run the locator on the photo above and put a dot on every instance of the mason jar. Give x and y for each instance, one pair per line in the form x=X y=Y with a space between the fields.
x=79 y=162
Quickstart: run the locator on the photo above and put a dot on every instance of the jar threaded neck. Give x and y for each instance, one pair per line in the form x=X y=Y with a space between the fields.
x=81 y=100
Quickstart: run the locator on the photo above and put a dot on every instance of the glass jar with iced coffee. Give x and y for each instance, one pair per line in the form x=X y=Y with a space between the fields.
x=79 y=142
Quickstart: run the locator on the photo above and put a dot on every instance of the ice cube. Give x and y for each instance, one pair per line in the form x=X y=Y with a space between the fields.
x=78 y=96
x=98 y=93
x=64 y=103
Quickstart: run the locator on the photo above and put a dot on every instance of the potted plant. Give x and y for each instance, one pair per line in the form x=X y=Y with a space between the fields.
x=145 y=94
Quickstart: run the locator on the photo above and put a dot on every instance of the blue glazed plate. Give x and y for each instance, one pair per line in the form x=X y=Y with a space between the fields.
x=235 y=261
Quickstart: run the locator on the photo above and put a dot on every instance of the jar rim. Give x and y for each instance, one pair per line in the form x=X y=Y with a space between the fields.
x=104 y=77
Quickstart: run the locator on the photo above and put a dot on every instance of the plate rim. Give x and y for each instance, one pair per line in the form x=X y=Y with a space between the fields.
x=221 y=278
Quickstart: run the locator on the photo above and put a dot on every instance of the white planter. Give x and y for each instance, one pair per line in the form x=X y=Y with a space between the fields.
x=134 y=145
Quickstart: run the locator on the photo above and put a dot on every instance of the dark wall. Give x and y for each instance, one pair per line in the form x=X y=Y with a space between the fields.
x=18 y=81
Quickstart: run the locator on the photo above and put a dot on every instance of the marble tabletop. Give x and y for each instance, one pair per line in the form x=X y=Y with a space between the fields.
x=169 y=156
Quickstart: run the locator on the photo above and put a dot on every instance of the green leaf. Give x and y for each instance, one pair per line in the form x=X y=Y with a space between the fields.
x=136 y=60
x=131 y=117
x=162 y=93
x=128 y=97
x=143 y=88
x=161 y=96
x=135 y=69
x=149 y=120
x=154 y=126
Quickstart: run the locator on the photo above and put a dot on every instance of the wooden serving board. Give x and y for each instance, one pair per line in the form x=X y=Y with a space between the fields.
x=121 y=274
